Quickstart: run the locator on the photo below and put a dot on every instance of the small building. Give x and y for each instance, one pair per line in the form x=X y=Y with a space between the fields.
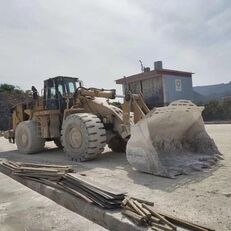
x=159 y=86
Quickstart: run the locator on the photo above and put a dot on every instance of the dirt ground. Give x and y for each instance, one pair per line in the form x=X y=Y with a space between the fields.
x=202 y=197
x=22 y=209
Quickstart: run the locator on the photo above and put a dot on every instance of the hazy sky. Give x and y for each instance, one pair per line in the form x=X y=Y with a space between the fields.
x=100 y=41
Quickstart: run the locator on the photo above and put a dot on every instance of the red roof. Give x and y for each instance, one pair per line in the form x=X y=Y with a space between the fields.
x=153 y=74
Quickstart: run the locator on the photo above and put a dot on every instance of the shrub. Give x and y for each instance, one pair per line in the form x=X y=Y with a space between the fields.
x=216 y=110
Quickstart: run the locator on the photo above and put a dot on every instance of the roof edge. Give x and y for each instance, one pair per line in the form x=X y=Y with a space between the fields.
x=145 y=75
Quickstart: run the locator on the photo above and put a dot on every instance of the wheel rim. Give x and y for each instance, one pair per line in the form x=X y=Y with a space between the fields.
x=75 y=138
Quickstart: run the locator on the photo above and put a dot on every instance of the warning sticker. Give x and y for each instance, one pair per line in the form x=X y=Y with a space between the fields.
x=178 y=85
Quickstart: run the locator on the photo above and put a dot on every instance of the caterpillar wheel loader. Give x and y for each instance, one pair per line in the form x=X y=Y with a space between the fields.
x=165 y=141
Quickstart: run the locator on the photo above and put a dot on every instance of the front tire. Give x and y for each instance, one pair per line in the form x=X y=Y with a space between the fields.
x=83 y=136
x=28 y=138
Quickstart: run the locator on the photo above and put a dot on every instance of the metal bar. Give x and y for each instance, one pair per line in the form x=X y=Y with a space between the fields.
x=185 y=224
x=138 y=210
x=160 y=217
x=161 y=227
x=134 y=216
x=145 y=211
x=143 y=201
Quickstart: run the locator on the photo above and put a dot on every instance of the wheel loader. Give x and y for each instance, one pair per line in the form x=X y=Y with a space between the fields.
x=165 y=141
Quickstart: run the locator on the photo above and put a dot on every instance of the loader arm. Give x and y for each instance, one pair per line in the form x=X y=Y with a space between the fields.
x=96 y=101
x=134 y=103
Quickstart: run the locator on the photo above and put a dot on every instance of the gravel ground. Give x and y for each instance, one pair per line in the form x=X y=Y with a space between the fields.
x=202 y=197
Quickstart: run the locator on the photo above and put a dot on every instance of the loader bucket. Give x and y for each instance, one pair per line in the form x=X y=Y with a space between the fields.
x=171 y=141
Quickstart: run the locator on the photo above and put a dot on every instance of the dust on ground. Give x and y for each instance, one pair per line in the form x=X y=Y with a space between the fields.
x=202 y=197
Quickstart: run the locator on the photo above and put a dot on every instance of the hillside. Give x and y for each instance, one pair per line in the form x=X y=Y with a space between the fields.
x=7 y=101
x=212 y=92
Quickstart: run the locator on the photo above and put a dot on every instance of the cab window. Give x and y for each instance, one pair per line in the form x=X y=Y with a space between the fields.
x=51 y=93
x=71 y=87
x=60 y=89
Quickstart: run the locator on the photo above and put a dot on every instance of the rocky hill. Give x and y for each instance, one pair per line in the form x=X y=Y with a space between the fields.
x=7 y=101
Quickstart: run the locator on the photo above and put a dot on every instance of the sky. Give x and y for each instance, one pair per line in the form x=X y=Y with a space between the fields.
x=100 y=41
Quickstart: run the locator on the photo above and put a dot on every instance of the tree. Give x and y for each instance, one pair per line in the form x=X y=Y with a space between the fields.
x=10 y=88
x=215 y=110
x=227 y=110
x=6 y=87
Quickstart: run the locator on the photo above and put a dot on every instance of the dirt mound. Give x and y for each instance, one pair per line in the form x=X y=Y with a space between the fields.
x=7 y=101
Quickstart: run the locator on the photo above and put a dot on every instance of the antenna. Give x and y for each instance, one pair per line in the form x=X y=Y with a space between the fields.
x=142 y=66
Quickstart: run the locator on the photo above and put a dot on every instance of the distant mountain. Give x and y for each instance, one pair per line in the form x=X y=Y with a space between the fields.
x=211 y=92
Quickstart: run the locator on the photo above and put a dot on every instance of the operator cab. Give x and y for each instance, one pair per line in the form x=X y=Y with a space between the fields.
x=59 y=91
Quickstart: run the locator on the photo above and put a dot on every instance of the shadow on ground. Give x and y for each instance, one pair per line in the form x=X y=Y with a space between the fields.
x=109 y=162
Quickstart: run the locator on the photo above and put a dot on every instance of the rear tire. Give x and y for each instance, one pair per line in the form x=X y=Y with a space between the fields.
x=83 y=136
x=117 y=144
x=28 y=138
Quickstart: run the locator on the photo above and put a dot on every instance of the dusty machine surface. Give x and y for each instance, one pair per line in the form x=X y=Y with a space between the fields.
x=165 y=141
x=174 y=141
